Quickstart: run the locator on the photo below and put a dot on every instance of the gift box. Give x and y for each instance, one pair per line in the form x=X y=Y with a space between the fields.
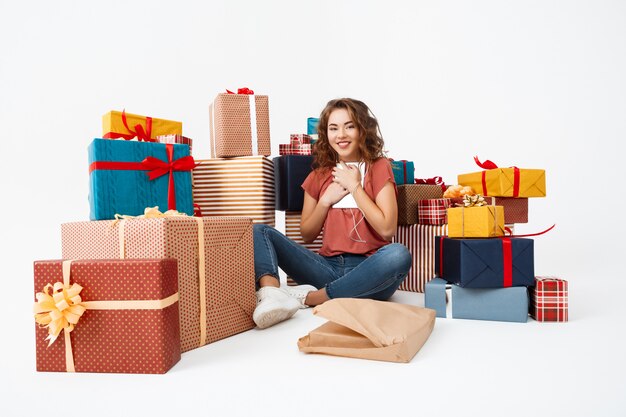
x=215 y=265
x=515 y=209
x=408 y=197
x=403 y=172
x=299 y=139
x=240 y=125
x=549 y=299
x=179 y=139
x=495 y=304
x=420 y=240
x=477 y=221
x=485 y=263
x=124 y=125
x=311 y=125
x=433 y=211
x=292 y=231
x=125 y=315
x=290 y=149
x=505 y=182
x=290 y=171
x=241 y=186
x=125 y=177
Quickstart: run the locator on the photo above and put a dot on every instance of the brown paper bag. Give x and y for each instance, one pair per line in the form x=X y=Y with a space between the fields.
x=369 y=329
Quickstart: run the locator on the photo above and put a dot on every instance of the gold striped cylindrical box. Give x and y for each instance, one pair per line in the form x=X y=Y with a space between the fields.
x=242 y=186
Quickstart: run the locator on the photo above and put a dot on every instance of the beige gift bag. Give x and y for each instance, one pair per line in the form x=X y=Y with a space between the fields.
x=369 y=329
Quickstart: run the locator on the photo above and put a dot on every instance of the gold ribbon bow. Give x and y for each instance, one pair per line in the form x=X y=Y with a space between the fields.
x=472 y=201
x=150 y=213
x=58 y=307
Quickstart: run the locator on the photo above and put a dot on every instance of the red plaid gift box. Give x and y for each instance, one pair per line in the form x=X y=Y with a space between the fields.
x=548 y=299
x=433 y=211
x=289 y=149
x=299 y=138
x=175 y=139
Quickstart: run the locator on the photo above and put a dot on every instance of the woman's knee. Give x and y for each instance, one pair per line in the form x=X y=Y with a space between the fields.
x=398 y=255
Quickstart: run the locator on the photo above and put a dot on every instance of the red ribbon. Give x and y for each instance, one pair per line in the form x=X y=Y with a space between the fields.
x=243 y=90
x=139 y=132
x=487 y=164
x=197 y=211
x=432 y=181
x=155 y=167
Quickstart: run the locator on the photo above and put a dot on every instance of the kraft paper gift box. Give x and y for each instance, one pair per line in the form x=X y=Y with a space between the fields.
x=477 y=221
x=292 y=231
x=403 y=172
x=124 y=125
x=215 y=265
x=290 y=171
x=485 y=263
x=179 y=139
x=369 y=329
x=408 y=197
x=240 y=125
x=125 y=177
x=495 y=304
x=506 y=182
x=433 y=211
x=241 y=186
x=128 y=315
x=420 y=240
x=549 y=299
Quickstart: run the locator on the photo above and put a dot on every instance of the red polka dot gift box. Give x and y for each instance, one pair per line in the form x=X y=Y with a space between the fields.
x=118 y=316
x=215 y=265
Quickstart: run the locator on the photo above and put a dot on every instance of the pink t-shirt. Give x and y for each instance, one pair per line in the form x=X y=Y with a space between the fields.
x=345 y=229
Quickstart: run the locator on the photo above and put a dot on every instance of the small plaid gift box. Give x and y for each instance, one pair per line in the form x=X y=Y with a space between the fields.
x=183 y=140
x=433 y=211
x=299 y=138
x=548 y=299
x=291 y=149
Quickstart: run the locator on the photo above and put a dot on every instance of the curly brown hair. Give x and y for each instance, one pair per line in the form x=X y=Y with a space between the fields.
x=371 y=145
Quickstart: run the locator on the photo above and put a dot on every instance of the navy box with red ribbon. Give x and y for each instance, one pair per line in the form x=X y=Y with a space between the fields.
x=290 y=171
x=125 y=177
x=485 y=263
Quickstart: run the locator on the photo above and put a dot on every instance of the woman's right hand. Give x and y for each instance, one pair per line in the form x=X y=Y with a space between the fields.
x=333 y=194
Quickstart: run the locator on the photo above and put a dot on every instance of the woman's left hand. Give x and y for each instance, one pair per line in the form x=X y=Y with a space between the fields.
x=348 y=176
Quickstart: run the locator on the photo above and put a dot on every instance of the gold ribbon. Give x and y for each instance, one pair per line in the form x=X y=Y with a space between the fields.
x=62 y=309
x=154 y=213
x=477 y=201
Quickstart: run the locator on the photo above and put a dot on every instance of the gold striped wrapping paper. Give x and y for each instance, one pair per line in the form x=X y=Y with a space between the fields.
x=292 y=231
x=242 y=186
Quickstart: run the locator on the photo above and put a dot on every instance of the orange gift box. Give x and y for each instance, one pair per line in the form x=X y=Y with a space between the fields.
x=129 y=321
x=116 y=124
x=216 y=284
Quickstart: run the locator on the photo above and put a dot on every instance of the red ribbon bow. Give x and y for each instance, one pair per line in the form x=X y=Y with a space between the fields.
x=156 y=168
x=432 y=181
x=244 y=90
x=487 y=164
x=140 y=132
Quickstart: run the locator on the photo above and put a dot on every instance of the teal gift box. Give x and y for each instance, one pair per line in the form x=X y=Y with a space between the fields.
x=125 y=177
x=495 y=304
x=403 y=172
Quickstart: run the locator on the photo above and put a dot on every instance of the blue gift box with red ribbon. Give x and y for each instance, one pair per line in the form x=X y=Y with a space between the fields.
x=290 y=171
x=485 y=263
x=403 y=172
x=125 y=177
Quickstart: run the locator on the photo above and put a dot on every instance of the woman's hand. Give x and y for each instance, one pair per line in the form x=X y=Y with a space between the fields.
x=348 y=177
x=333 y=194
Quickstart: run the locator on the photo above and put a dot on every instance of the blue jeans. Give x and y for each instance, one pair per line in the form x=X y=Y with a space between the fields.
x=355 y=276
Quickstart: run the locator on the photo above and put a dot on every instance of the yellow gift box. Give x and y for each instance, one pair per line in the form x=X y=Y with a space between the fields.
x=124 y=125
x=477 y=221
x=501 y=182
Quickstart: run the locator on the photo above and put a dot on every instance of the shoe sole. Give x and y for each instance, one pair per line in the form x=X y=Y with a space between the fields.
x=273 y=316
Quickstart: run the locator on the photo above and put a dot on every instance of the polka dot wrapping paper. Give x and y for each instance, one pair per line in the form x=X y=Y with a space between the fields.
x=229 y=265
x=117 y=341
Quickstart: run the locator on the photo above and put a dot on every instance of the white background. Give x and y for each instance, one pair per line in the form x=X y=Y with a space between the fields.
x=537 y=84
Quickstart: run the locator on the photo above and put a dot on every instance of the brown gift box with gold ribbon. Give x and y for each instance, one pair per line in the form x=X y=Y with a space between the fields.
x=216 y=283
x=123 y=315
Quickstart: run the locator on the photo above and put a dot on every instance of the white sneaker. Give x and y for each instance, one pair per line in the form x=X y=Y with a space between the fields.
x=299 y=292
x=273 y=306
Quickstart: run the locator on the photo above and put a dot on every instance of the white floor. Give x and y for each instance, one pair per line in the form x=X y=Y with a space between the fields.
x=467 y=368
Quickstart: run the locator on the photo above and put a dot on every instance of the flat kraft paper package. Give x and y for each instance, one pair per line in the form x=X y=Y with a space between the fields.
x=233 y=131
x=143 y=127
x=241 y=186
x=130 y=321
x=369 y=329
x=217 y=300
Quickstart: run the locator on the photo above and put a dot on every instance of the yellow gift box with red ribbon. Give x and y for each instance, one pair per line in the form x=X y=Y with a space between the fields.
x=122 y=125
x=505 y=182
x=477 y=221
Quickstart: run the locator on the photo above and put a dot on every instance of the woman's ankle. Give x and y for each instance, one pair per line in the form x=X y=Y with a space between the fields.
x=269 y=281
x=316 y=297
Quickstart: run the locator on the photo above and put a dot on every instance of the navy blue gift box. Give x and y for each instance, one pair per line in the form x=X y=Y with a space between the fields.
x=290 y=171
x=480 y=263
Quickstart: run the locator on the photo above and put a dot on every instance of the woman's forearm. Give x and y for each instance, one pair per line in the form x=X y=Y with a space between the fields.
x=383 y=220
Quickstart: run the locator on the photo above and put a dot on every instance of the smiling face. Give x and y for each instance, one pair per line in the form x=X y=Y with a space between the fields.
x=343 y=136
